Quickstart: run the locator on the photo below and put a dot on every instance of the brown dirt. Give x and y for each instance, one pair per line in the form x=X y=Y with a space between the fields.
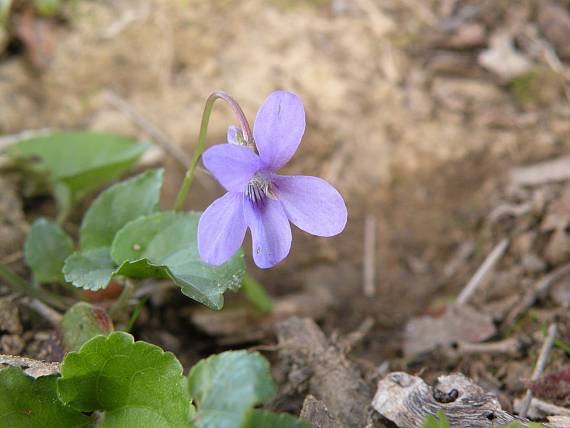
x=401 y=118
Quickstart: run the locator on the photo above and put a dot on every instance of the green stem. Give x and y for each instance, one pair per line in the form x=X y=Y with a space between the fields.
x=120 y=306
x=21 y=286
x=136 y=313
x=189 y=177
x=256 y=294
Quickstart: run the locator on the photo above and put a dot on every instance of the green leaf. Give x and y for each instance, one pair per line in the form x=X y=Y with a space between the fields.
x=226 y=386
x=438 y=421
x=46 y=248
x=91 y=269
x=83 y=322
x=47 y=7
x=265 y=419
x=28 y=402
x=83 y=161
x=118 y=205
x=4 y=12
x=135 y=384
x=167 y=242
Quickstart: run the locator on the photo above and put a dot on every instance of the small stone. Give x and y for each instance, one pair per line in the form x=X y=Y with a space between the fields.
x=12 y=344
x=10 y=317
x=532 y=263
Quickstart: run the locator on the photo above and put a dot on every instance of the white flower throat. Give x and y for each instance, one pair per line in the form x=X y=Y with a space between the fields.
x=258 y=188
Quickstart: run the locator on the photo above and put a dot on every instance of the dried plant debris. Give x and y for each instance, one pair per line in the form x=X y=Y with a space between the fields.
x=552 y=385
x=457 y=324
x=407 y=400
x=317 y=362
x=33 y=368
x=241 y=322
x=316 y=412
x=503 y=59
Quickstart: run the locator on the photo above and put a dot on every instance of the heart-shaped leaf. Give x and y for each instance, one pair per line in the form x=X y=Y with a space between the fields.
x=92 y=267
x=26 y=402
x=167 y=241
x=82 y=322
x=226 y=386
x=81 y=161
x=265 y=419
x=46 y=248
x=135 y=384
x=118 y=205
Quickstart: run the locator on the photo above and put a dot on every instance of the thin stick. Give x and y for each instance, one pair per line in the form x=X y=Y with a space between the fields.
x=368 y=265
x=538 y=291
x=45 y=311
x=148 y=127
x=539 y=368
x=510 y=346
x=547 y=408
x=482 y=272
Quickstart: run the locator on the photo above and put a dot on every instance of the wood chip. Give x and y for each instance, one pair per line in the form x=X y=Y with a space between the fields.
x=407 y=400
x=33 y=368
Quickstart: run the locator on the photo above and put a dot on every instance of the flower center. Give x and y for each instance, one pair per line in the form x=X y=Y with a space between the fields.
x=258 y=188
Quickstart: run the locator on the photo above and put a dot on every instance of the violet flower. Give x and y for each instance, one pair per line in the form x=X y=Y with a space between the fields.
x=260 y=199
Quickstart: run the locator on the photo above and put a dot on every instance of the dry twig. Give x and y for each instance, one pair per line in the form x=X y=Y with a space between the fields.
x=510 y=346
x=482 y=272
x=539 y=368
x=540 y=289
x=368 y=265
x=45 y=311
x=148 y=127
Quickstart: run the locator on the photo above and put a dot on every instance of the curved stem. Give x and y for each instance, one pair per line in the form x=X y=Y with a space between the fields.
x=248 y=136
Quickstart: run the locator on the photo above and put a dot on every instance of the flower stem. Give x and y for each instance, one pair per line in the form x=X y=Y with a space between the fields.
x=21 y=286
x=256 y=294
x=189 y=177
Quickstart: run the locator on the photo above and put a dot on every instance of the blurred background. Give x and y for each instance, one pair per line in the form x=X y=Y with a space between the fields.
x=417 y=111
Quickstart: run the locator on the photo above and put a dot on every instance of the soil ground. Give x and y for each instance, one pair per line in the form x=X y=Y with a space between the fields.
x=416 y=131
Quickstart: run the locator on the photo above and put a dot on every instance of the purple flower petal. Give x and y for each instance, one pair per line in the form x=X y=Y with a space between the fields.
x=221 y=229
x=311 y=204
x=270 y=231
x=232 y=134
x=278 y=128
x=232 y=165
